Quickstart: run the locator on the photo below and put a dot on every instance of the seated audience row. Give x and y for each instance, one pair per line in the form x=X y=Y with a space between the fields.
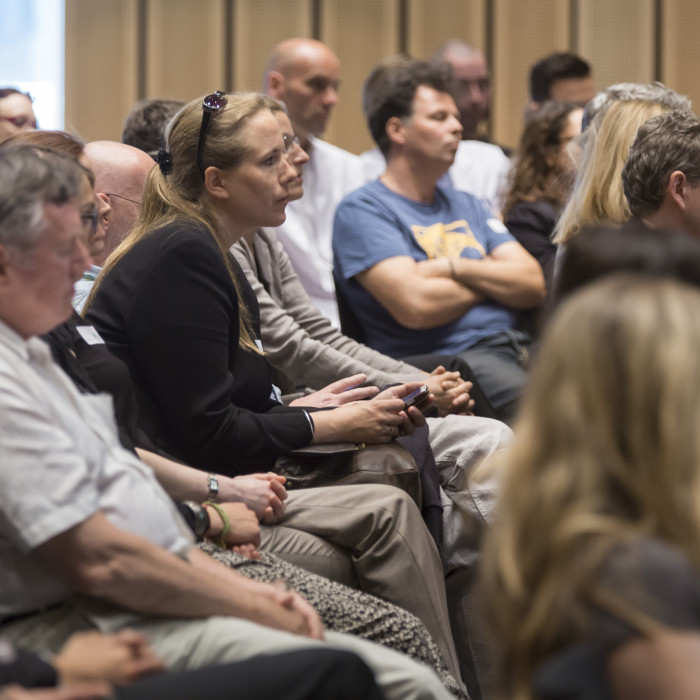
x=112 y=515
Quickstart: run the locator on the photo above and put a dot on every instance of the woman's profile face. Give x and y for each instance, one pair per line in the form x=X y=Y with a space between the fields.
x=296 y=155
x=566 y=153
x=257 y=190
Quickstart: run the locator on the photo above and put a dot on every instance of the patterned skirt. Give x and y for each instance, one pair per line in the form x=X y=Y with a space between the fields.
x=344 y=609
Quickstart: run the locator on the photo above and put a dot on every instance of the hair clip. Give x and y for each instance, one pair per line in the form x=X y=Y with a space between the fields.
x=165 y=162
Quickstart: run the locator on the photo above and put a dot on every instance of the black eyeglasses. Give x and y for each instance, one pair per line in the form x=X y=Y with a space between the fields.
x=118 y=196
x=90 y=223
x=210 y=105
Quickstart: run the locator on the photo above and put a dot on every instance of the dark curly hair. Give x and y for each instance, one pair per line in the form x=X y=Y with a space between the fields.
x=532 y=176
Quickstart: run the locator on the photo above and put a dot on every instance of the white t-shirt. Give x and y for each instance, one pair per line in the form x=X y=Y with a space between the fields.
x=60 y=463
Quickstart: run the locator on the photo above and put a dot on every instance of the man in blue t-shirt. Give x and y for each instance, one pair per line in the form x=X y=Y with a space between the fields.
x=423 y=268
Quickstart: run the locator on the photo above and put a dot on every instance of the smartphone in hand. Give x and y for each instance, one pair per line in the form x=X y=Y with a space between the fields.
x=416 y=397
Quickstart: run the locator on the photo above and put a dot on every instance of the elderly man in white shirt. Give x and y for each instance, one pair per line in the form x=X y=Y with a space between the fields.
x=87 y=536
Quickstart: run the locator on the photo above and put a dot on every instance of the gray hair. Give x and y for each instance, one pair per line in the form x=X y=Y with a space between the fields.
x=664 y=144
x=29 y=178
x=626 y=92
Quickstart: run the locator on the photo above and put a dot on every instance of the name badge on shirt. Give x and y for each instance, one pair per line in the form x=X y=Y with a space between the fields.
x=90 y=335
x=496 y=225
x=275 y=394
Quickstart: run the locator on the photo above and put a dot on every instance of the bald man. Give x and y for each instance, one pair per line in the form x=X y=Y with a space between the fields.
x=305 y=75
x=472 y=84
x=120 y=175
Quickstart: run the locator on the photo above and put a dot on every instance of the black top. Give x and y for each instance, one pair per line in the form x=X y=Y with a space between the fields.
x=93 y=368
x=169 y=310
x=532 y=224
x=649 y=576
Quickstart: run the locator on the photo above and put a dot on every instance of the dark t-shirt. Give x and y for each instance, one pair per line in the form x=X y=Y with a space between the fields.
x=649 y=576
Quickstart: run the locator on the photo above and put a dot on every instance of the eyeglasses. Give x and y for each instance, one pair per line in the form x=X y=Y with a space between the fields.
x=210 y=105
x=290 y=143
x=90 y=223
x=20 y=122
x=118 y=196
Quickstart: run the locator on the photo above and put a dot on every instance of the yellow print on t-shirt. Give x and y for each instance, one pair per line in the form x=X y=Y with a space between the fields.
x=449 y=240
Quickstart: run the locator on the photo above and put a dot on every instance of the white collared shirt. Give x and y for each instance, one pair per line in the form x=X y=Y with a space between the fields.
x=61 y=462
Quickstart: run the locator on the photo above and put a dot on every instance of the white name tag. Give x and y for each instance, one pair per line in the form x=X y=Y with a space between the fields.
x=497 y=226
x=90 y=335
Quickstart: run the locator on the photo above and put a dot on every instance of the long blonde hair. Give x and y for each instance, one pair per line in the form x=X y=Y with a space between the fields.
x=607 y=449
x=177 y=195
x=597 y=196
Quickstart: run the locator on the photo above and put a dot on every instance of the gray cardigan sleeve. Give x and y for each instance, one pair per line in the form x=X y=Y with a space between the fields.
x=297 y=338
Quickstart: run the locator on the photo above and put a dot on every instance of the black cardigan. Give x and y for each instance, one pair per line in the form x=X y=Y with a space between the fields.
x=169 y=310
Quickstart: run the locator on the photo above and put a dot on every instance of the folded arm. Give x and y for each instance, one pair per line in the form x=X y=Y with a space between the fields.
x=98 y=559
x=509 y=275
x=414 y=300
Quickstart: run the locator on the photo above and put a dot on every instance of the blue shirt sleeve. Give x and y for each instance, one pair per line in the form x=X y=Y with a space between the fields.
x=365 y=233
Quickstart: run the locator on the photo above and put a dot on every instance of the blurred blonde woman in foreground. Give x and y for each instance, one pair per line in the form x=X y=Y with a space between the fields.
x=592 y=573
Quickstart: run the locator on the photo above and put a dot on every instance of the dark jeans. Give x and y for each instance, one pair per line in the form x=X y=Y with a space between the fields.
x=499 y=363
x=310 y=674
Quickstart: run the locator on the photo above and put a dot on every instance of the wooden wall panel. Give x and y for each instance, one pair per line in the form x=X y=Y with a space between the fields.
x=189 y=49
x=618 y=40
x=430 y=24
x=361 y=33
x=259 y=25
x=185 y=54
x=523 y=33
x=681 y=49
x=101 y=66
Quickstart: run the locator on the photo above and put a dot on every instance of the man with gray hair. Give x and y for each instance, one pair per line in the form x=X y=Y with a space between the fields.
x=88 y=538
x=661 y=177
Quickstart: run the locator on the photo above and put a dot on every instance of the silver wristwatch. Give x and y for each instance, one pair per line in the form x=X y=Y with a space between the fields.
x=213 y=487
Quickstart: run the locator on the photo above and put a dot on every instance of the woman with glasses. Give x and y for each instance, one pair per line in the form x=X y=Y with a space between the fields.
x=16 y=112
x=541 y=178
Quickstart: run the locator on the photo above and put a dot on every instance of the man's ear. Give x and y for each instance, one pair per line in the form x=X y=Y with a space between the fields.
x=677 y=188
x=275 y=84
x=105 y=219
x=214 y=183
x=395 y=130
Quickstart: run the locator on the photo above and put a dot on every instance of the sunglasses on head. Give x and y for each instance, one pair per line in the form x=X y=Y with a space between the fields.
x=210 y=105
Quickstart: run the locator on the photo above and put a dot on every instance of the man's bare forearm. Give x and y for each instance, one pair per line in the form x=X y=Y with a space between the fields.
x=103 y=561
